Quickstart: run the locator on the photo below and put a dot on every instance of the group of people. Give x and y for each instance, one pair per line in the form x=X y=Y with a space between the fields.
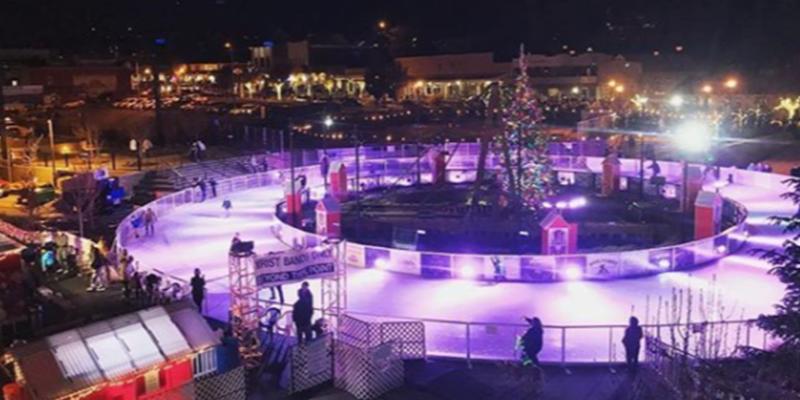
x=197 y=150
x=302 y=315
x=203 y=185
x=531 y=343
x=259 y=164
x=144 y=219
x=760 y=167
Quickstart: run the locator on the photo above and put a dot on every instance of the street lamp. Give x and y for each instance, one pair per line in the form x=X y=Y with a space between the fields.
x=707 y=88
x=731 y=83
x=328 y=121
x=676 y=101
x=694 y=137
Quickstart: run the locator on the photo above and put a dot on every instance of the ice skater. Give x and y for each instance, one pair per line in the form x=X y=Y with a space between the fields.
x=150 y=222
x=213 y=184
x=137 y=222
x=226 y=205
x=198 y=283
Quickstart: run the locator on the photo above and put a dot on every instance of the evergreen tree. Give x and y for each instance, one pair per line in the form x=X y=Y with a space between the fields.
x=526 y=168
x=785 y=323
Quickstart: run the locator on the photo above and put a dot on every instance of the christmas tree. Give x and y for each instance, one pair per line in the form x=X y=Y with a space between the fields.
x=526 y=169
x=785 y=323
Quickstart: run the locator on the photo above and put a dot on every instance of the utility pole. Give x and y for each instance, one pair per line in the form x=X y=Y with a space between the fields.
x=291 y=174
x=52 y=148
x=358 y=171
x=641 y=165
x=160 y=43
x=6 y=150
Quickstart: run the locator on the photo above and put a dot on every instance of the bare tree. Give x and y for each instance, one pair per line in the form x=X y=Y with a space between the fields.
x=80 y=193
x=91 y=140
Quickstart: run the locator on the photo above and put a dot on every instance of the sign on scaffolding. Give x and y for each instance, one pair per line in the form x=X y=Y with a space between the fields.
x=294 y=266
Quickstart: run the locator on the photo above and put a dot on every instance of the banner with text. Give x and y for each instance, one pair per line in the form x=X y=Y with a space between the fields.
x=294 y=266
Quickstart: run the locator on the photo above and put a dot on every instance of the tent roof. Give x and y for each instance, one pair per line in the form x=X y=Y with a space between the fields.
x=554 y=219
x=106 y=350
x=707 y=199
x=329 y=204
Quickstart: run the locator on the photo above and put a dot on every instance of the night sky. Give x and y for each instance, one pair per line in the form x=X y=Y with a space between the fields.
x=742 y=33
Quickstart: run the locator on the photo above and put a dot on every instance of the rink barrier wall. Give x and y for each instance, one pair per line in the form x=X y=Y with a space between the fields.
x=461 y=339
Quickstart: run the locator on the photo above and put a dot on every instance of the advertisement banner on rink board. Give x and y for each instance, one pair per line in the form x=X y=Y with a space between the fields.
x=354 y=255
x=407 y=262
x=294 y=266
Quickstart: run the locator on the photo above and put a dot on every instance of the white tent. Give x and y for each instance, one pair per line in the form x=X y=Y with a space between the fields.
x=104 y=351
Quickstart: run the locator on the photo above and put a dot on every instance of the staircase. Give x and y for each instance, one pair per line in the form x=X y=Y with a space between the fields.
x=175 y=179
x=276 y=351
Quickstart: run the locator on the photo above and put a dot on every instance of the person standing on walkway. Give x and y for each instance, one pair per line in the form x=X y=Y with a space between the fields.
x=531 y=342
x=198 y=283
x=302 y=312
x=149 y=222
x=633 y=343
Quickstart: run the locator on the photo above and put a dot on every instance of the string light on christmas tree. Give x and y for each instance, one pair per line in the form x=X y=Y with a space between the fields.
x=526 y=168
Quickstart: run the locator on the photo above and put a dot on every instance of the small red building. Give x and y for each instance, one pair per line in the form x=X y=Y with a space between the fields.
x=694 y=184
x=338 y=180
x=558 y=235
x=329 y=217
x=610 y=183
x=440 y=167
x=707 y=214
x=154 y=353
x=294 y=201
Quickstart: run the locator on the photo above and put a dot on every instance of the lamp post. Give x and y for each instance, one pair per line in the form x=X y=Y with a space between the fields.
x=52 y=148
x=328 y=124
x=291 y=170
x=693 y=137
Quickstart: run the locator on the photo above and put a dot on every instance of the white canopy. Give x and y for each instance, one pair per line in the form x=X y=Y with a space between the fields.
x=103 y=351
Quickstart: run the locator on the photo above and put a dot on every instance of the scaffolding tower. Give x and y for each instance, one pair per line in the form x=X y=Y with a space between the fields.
x=334 y=289
x=245 y=312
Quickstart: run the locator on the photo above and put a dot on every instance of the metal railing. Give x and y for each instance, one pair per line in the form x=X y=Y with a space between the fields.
x=564 y=344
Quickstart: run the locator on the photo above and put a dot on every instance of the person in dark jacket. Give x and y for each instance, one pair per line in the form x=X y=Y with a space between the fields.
x=532 y=342
x=198 y=283
x=302 y=311
x=633 y=343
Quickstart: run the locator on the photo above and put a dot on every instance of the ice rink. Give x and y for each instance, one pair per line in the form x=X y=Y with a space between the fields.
x=198 y=236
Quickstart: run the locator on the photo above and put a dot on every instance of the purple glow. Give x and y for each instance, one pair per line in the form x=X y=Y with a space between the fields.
x=198 y=235
x=577 y=202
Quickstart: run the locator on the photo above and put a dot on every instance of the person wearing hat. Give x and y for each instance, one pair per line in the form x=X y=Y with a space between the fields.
x=531 y=342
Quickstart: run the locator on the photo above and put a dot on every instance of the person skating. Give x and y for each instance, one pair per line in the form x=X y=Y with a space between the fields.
x=633 y=343
x=213 y=184
x=150 y=222
x=202 y=185
x=227 y=205
x=198 y=283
